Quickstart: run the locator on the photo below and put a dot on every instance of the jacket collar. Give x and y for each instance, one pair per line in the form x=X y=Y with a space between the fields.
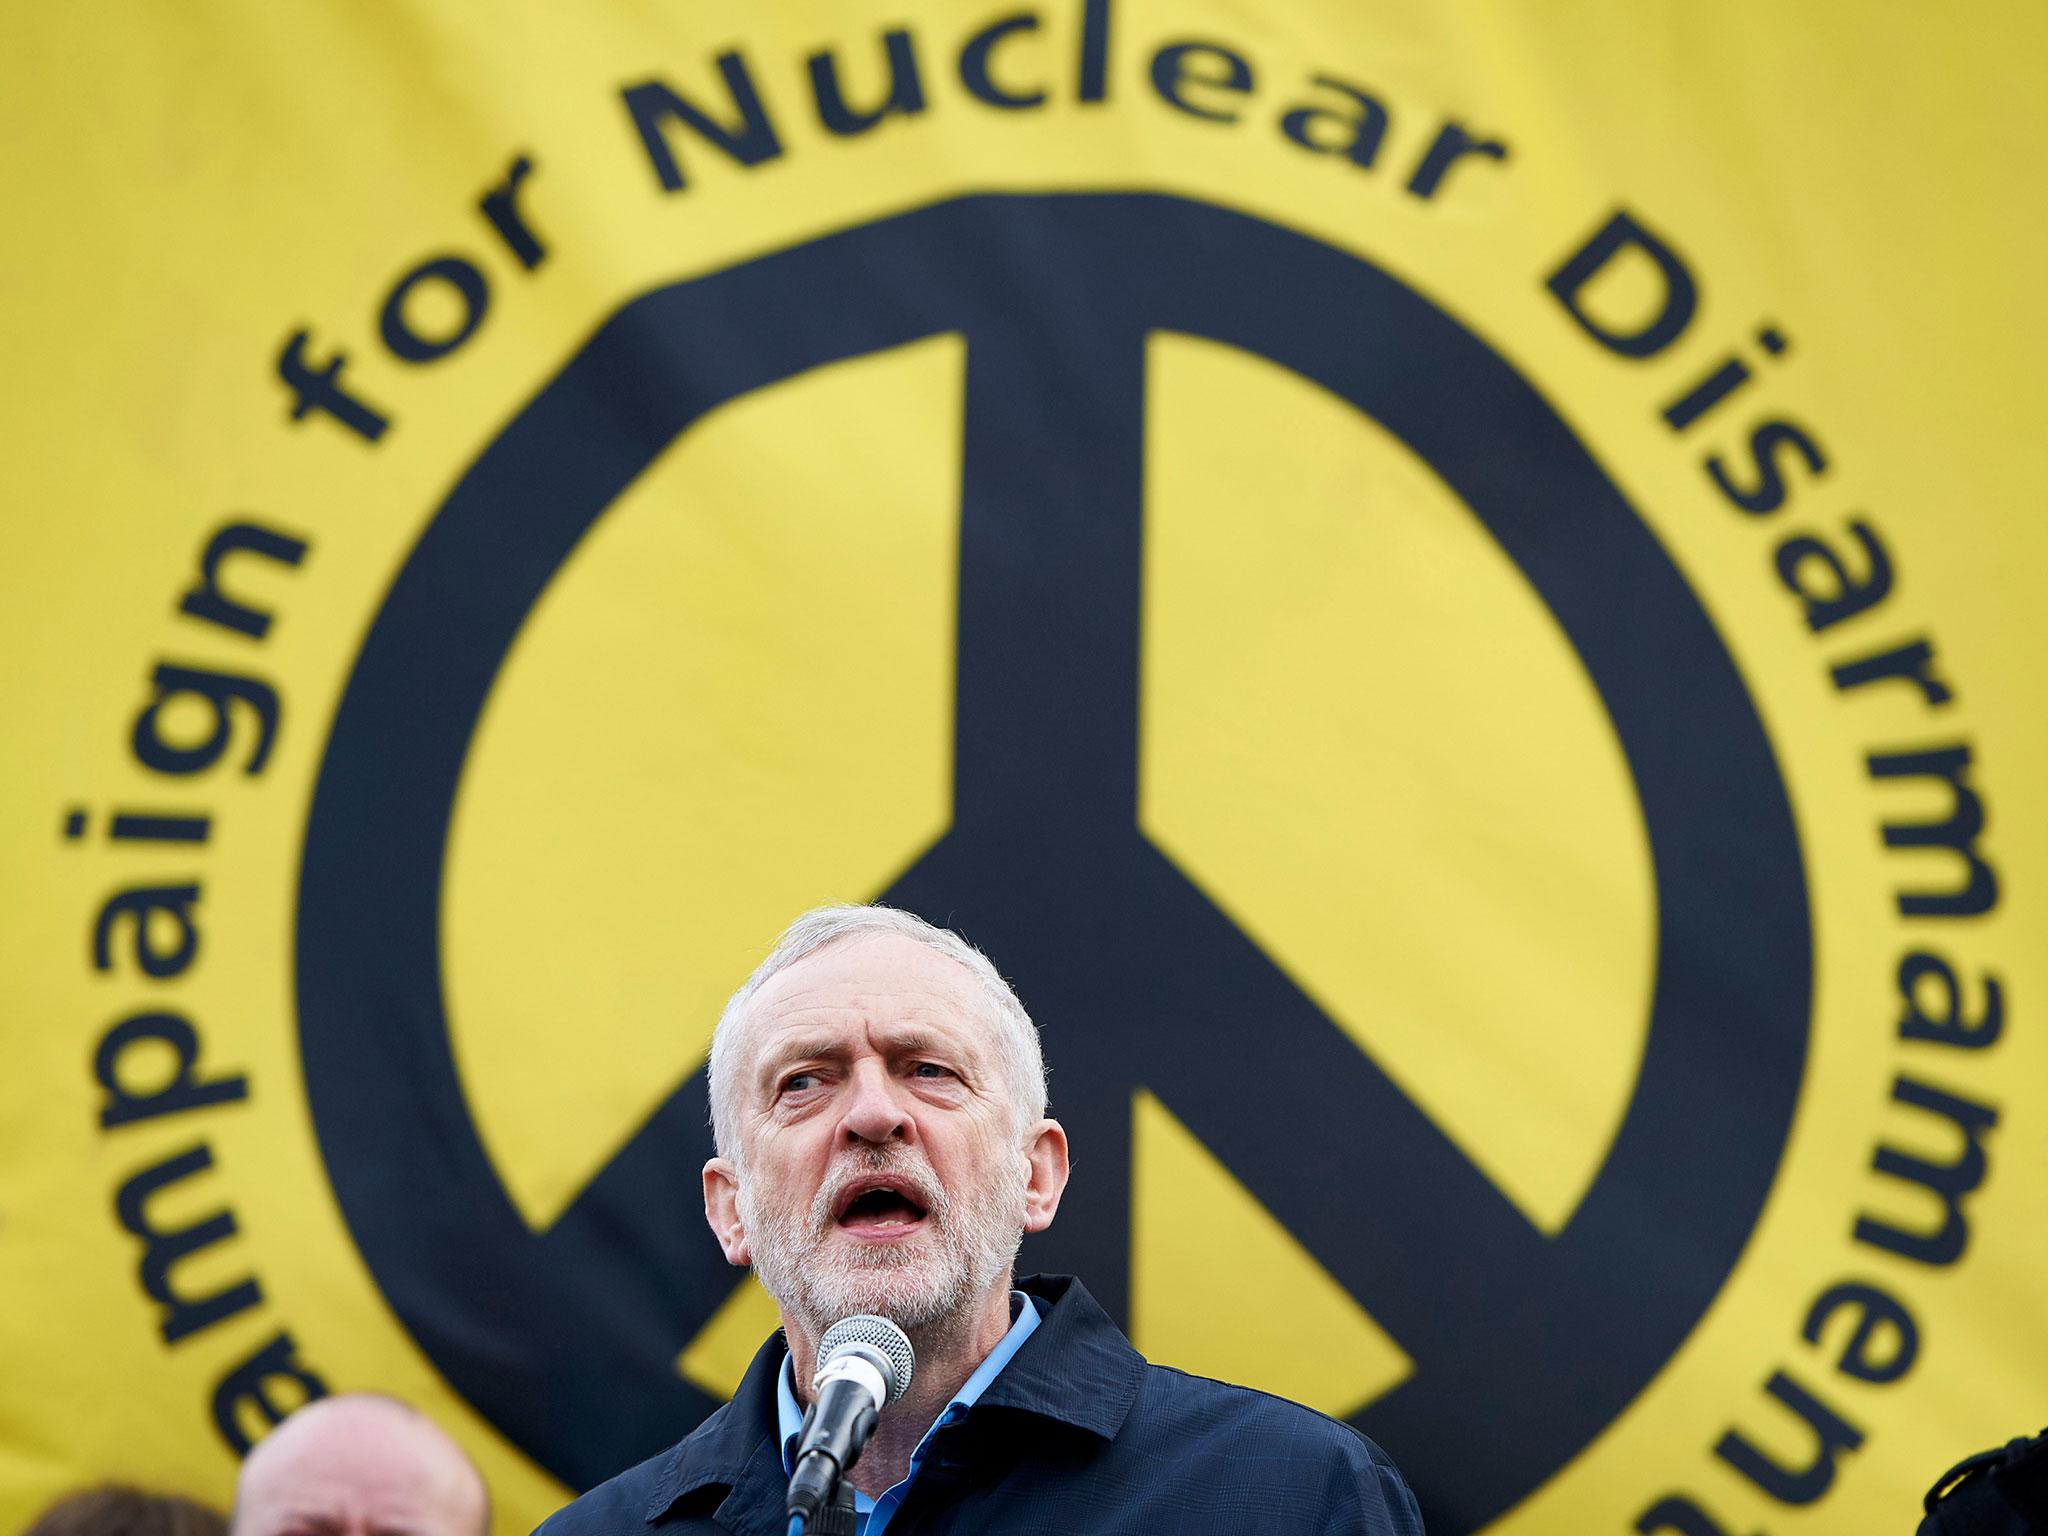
x=734 y=1449
x=1077 y=1369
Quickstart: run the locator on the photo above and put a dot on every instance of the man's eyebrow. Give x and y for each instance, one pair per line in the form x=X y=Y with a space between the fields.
x=909 y=1040
x=958 y=1049
x=776 y=1056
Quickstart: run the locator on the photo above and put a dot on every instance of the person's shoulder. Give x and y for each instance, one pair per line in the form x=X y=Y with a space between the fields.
x=1280 y=1439
x=616 y=1507
x=1223 y=1408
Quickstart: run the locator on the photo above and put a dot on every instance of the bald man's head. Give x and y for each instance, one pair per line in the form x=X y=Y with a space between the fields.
x=359 y=1465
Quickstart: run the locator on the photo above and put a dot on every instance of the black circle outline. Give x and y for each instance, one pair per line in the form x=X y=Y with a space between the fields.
x=576 y=1385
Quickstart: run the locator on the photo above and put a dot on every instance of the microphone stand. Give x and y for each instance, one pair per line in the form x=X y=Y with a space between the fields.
x=836 y=1518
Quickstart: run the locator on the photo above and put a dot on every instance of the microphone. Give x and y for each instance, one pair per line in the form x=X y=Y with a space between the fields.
x=864 y=1364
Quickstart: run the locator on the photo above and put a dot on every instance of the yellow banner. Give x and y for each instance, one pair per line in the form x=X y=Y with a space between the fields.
x=1453 y=591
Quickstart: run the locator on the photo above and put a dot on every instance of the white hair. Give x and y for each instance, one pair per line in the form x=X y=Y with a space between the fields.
x=1016 y=1035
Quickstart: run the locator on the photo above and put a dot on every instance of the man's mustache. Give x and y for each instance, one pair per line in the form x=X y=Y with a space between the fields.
x=911 y=1168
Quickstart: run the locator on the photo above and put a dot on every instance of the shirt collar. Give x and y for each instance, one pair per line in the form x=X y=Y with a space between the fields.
x=1076 y=1368
x=1023 y=1323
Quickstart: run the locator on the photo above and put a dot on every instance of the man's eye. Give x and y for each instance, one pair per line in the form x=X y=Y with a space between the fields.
x=929 y=1069
x=797 y=1082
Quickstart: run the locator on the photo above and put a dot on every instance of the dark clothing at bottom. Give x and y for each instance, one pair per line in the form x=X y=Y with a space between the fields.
x=1078 y=1435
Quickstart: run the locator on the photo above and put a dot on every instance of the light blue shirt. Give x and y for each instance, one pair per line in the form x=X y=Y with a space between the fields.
x=873 y=1514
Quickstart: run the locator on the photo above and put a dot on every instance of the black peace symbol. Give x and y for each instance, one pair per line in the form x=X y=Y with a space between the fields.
x=1525 y=1345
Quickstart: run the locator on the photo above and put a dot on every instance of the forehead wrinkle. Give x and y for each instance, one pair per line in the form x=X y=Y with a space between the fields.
x=830 y=969
x=838 y=998
x=867 y=999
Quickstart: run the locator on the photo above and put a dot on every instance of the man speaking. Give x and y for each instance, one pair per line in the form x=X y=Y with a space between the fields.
x=878 y=1100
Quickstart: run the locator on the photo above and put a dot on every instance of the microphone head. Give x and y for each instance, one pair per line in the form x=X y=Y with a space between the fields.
x=880 y=1340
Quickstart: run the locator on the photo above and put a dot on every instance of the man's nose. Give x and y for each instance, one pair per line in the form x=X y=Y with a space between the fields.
x=875 y=1108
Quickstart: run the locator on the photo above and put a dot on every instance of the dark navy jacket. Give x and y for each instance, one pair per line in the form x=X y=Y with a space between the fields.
x=1079 y=1434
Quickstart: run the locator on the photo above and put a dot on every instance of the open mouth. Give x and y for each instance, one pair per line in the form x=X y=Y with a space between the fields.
x=880 y=1208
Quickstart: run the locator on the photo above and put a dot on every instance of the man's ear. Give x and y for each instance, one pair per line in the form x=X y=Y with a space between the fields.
x=722 y=1210
x=1045 y=1162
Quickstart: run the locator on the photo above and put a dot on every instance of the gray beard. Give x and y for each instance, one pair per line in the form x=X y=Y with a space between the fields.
x=968 y=1245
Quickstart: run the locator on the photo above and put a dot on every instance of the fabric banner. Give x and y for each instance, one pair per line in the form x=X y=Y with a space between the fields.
x=1454 y=591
